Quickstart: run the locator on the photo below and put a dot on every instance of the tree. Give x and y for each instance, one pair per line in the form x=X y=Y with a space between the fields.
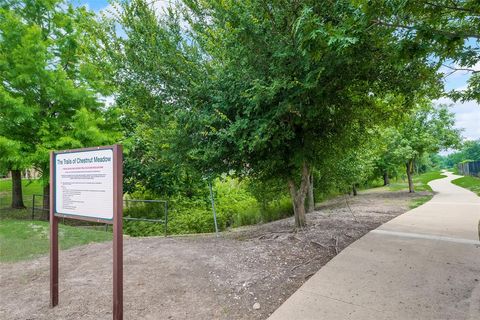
x=470 y=150
x=427 y=130
x=448 y=29
x=389 y=158
x=267 y=90
x=50 y=80
x=13 y=160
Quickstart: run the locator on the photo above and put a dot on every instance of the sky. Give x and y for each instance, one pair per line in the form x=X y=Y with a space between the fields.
x=467 y=115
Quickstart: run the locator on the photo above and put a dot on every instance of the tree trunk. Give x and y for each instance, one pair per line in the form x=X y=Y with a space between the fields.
x=46 y=197
x=311 y=198
x=354 y=189
x=386 y=179
x=409 y=166
x=298 y=197
x=17 y=195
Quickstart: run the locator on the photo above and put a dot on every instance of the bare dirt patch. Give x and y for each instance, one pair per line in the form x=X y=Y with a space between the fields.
x=199 y=277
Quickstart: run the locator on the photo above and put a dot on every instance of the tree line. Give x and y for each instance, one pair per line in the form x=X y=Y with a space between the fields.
x=286 y=94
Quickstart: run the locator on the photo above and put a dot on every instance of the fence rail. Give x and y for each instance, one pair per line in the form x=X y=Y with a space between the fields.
x=160 y=202
x=146 y=213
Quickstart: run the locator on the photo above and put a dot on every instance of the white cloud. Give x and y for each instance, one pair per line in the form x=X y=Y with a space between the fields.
x=467 y=117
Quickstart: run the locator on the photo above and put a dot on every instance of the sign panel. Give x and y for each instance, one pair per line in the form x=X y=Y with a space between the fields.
x=84 y=186
x=87 y=184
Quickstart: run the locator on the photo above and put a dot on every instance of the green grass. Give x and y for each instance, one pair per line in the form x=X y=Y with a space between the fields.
x=29 y=188
x=417 y=202
x=21 y=240
x=420 y=182
x=470 y=183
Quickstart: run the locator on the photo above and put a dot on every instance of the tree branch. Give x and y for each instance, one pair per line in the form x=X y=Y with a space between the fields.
x=416 y=28
x=460 y=69
x=452 y=7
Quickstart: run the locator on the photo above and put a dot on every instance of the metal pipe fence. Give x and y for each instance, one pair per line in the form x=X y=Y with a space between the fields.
x=151 y=211
x=149 y=216
x=44 y=212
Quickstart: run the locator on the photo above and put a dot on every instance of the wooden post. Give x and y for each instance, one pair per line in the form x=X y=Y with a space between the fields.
x=116 y=220
x=117 y=233
x=53 y=240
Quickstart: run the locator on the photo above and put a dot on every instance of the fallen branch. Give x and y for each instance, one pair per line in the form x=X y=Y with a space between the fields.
x=309 y=275
x=263 y=236
x=319 y=244
x=336 y=245
x=303 y=264
x=351 y=211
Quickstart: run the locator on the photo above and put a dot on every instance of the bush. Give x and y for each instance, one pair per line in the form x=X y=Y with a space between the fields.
x=277 y=209
x=143 y=228
x=235 y=206
x=196 y=221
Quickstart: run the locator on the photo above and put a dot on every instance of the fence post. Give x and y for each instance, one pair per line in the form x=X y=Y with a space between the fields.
x=166 y=218
x=33 y=207
x=213 y=208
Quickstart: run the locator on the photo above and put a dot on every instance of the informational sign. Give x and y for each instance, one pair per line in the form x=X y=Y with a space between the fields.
x=87 y=184
x=84 y=184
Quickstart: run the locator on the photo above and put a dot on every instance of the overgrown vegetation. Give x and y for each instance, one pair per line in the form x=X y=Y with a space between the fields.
x=235 y=206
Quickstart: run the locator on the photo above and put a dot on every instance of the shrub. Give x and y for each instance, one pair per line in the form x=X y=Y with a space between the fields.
x=235 y=206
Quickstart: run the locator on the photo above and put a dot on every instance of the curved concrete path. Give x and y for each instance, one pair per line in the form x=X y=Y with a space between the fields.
x=424 y=264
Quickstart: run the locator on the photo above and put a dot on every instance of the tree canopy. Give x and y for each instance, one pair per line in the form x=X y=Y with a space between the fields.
x=51 y=83
x=267 y=90
x=275 y=93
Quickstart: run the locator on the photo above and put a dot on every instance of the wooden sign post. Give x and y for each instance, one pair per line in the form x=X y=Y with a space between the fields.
x=87 y=184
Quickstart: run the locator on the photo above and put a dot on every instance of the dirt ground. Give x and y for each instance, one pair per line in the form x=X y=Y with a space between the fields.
x=198 y=277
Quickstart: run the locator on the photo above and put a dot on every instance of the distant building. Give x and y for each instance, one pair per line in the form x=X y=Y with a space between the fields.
x=29 y=174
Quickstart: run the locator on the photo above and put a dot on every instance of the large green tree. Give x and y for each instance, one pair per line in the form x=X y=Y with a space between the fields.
x=449 y=29
x=470 y=150
x=52 y=79
x=268 y=90
x=427 y=130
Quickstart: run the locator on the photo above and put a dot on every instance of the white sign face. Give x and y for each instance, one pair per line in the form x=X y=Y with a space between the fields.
x=84 y=183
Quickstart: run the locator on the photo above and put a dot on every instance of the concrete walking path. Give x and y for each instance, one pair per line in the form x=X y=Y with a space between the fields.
x=424 y=264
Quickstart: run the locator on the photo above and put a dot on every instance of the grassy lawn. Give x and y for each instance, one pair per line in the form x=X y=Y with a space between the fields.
x=29 y=187
x=470 y=183
x=417 y=202
x=20 y=240
x=420 y=182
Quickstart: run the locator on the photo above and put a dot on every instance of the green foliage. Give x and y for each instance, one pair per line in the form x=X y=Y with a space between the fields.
x=235 y=205
x=470 y=183
x=30 y=187
x=260 y=90
x=22 y=240
x=428 y=130
x=425 y=131
x=470 y=150
x=420 y=181
x=445 y=29
x=51 y=82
